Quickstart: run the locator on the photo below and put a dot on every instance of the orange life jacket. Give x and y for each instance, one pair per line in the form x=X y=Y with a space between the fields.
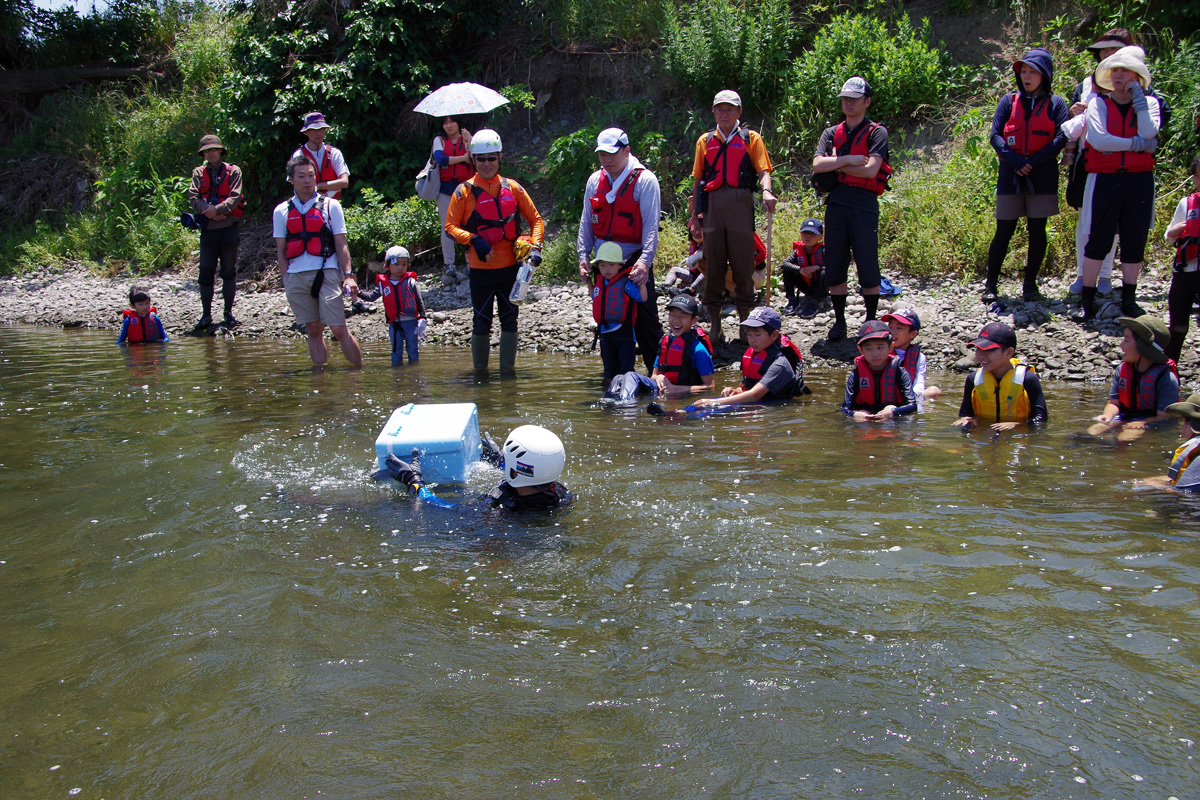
x=610 y=304
x=755 y=365
x=142 y=329
x=1139 y=399
x=1188 y=247
x=910 y=360
x=494 y=218
x=309 y=232
x=675 y=356
x=1123 y=125
x=877 y=391
x=621 y=220
x=399 y=298
x=727 y=163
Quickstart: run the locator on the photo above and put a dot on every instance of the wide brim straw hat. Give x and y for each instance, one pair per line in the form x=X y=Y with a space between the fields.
x=1132 y=58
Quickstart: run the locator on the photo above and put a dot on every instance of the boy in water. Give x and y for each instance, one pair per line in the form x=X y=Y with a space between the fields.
x=614 y=307
x=684 y=364
x=771 y=366
x=1003 y=392
x=904 y=325
x=402 y=304
x=804 y=270
x=141 y=322
x=878 y=388
x=1184 y=472
x=1143 y=385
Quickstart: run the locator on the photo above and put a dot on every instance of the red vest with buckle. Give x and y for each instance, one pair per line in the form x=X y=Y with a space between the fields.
x=217 y=192
x=877 y=391
x=755 y=365
x=621 y=220
x=860 y=146
x=494 y=218
x=1138 y=399
x=675 y=356
x=610 y=304
x=398 y=298
x=142 y=329
x=1027 y=134
x=324 y=169
x=308 y=232
x=729 y=164
x=1126 y=126
x=459 y=172
x=912 y=357
x=1188 y=247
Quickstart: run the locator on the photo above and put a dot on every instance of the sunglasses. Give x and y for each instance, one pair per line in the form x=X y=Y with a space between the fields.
x=487 y=159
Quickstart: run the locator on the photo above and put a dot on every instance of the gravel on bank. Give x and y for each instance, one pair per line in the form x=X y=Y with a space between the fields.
x=558 y=318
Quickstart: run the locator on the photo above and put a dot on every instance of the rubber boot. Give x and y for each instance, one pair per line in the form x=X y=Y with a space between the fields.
x=1089 y=303
x=1029 y=289
x=481 y=345
x=1129 y=306
x=714 y=323
x=508 y=352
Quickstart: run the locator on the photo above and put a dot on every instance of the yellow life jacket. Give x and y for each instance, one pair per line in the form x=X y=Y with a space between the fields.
x=1006 y=401
x=1184 y=456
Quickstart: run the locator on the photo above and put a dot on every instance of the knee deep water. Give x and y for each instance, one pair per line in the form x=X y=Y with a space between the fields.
x=205 y=596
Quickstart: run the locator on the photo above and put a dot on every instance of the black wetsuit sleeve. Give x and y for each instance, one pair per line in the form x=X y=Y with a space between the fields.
x=904 y=381
x=851 y=391
x=1039 y=414
x=371 y=294
x=966 y=409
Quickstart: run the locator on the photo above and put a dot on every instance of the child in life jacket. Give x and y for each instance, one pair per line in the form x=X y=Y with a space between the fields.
x=878 y=388
x=1184 y=472
x=1003 y=392
x=402 y=304
x=688 y=277
x=141 y=322
x=904 y=325
x=684 y=364
x=1184 y=233
x=772 y=367
x=614 y=307
x=804 y=270
x=1144 y=384
x=531 y=459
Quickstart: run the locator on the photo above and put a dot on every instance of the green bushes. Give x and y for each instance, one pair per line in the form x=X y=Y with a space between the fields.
x=372 y=225
x=724 y=44
x=603 y=22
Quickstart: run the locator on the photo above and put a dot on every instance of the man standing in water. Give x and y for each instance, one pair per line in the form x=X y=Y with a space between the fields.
x=314 y=259
x=622 y=203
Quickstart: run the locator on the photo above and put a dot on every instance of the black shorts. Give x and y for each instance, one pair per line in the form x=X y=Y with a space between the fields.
x=851 y=232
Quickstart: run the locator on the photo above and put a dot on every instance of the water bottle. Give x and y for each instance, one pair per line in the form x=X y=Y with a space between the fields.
x=521 y=287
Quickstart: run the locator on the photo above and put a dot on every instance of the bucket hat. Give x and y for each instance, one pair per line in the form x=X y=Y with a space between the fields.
x=1189 y=408
x=210 y=142
x=1152 y=336
x=1132 y=58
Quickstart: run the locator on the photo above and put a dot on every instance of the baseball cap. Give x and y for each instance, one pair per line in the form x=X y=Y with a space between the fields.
x=813 y=225
x=873 y=329
x=685 y=303
x=611 y=140
x=395 y=252
x=763 y=317
x=314 y=120
x=905 y=316
x=993 y=335
x=727 y=96
x=609 y=251
x=855 y=87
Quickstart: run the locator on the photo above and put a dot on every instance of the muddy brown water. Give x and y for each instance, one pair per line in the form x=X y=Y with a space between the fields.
x=205 y=596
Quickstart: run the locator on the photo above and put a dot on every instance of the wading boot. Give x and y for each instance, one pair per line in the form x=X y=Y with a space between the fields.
x=508 y=352
x=480 y=347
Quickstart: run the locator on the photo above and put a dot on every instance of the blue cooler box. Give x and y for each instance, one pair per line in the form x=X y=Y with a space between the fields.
x=447 y=435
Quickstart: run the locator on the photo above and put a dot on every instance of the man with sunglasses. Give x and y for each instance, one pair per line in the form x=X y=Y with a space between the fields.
x=485 y=215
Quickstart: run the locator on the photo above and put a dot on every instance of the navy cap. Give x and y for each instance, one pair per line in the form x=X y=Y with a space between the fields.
x=685 y=303
x=874 y=329
x=813 y=225
x=763 y=317
x=993 y=335
x=905 y=316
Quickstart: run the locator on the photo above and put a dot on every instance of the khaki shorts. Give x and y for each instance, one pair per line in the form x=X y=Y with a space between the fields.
x=327 y=309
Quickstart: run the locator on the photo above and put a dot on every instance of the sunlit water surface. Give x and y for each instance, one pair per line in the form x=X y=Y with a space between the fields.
x=204 y=596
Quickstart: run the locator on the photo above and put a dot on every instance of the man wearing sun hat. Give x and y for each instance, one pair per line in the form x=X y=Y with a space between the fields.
x=215 y=194
x=730 y=163
x=622 y=203
x=332 y=173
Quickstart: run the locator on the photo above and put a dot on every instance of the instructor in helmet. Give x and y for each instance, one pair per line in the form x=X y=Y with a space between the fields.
x=485 y=214
x=531 y=459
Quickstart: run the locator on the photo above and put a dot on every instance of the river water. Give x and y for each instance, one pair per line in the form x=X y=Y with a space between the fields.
x=204 y=596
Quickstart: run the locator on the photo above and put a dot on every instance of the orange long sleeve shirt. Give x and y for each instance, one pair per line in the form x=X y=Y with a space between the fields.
x=462 y=205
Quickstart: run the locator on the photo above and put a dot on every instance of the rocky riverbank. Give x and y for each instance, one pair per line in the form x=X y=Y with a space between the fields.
x=558 y=319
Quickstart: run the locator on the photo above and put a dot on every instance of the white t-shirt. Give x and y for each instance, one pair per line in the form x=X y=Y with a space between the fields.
x=336 y=160
x=306 y=261
x=1181 y=216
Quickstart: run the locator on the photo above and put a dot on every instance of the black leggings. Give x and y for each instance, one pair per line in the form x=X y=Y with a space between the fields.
x=218 y=247
x=1005 y=228
x=1185 y=287
x=485 y=285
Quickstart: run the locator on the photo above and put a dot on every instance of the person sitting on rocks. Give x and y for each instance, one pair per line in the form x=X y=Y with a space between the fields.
x=804 y=270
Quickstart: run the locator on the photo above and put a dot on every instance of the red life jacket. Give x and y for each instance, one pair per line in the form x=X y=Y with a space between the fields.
x=399 y=298
x=1140 y=400
x=728 y=162
x=308 y=232
x=620 y=221
x=760 y=251
x=755 y=365
x=860 y=146
x=675 y=356
x=911 y=357
x=1028 y=134
x=1188 y=247
x=494 y=218
x=610 y=304
x=459 y=172
x=805 y=259
x=325 y=172
x=873 y=395
x=1125 y=126
x=216 y=192
x=142 y=329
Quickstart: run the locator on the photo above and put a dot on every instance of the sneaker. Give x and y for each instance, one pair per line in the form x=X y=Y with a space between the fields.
x=1076 y=287
x=790 y=308
x=807 y=309
x=1103 y=286
x=204 y=322
x=837 y=332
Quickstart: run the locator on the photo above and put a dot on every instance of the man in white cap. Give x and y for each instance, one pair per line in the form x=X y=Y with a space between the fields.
x=332 y=173
x=851 y=165
x=731 y=161
x=622 y=203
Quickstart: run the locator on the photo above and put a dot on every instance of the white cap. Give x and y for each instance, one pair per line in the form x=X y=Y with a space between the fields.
x=727 y=96
x=395 y=252
x=855 y=87
x=611 y=140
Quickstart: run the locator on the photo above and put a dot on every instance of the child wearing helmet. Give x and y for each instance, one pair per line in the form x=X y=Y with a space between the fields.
x=532 y=460
x=402 y=304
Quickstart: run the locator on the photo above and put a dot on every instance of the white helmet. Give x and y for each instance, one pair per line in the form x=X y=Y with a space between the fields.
x=394 y=252
x=486 y=141
x=532 y=456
